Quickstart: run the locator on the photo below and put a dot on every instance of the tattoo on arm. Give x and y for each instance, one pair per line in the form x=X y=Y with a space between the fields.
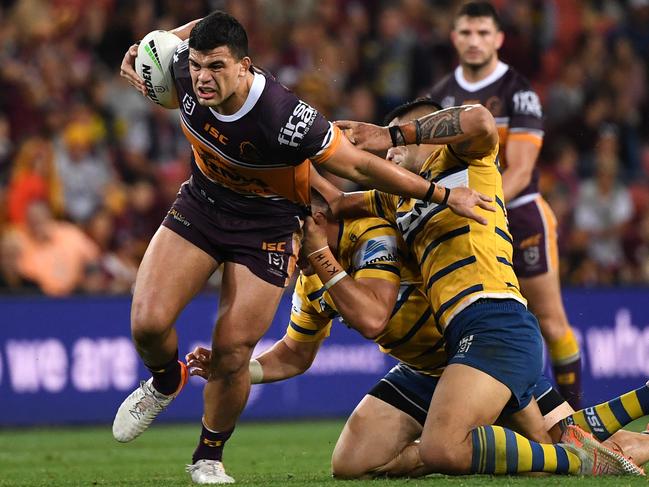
x=329 y=267
x=444 y=123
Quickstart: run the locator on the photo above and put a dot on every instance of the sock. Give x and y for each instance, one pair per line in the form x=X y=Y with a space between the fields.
x=605 y=419
x=498 y=450
x=566 y=366
x=166 y=377
x=210 y=446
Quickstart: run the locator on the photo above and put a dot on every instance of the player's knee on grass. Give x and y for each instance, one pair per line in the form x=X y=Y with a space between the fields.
x=347 y=462
x=446 y=457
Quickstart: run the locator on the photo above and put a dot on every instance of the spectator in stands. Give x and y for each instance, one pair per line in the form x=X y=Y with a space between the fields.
x=604 y=206
x=84 y=171
x=54 y=254
x=34 y=178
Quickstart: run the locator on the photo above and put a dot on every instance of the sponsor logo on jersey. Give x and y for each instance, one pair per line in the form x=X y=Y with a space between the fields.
x=179 y=217
x=464 y=346
x=297 y=126
x=188 y=104
x=379 y=249
x=532 y=255
x=527 y=103
x=275 y=259
x=213 y=169
x=214 y=132
x=532 y=241
x=273 y=246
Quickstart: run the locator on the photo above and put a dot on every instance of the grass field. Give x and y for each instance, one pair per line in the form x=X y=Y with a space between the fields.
x=260 y=454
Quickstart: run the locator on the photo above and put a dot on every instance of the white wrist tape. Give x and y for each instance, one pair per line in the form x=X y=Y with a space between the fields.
x=334 y=280
x=256 y=372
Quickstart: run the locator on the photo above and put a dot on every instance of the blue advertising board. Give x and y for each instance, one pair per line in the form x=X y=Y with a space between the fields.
x=68 y=361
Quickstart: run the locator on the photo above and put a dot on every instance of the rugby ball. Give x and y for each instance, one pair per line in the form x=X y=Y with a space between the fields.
x=153 y=65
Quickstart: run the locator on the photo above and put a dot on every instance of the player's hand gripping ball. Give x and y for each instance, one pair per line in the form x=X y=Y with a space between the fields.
x=153 y=65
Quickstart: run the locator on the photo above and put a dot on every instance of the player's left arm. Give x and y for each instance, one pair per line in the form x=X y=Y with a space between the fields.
x=469 y=129
x=521 y=153
x=285 y=359
x=365 y=304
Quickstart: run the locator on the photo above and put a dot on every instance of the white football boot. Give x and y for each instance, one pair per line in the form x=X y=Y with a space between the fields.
x=209 y=472
x=141 y=407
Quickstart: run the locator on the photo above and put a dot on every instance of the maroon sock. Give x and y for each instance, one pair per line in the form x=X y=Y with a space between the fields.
x=568 y=379
x=166 y=377
x=210 y=446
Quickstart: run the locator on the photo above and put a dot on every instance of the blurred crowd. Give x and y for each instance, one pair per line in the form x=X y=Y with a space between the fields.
x=88 y=167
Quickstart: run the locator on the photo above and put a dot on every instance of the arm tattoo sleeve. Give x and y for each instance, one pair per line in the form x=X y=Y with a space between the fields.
x=444 y=123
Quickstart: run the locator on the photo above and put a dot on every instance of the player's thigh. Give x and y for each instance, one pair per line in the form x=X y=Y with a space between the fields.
x=172 y=272
x=543 y=293
x=246 y=309
x=375 y=434
x=465 y=397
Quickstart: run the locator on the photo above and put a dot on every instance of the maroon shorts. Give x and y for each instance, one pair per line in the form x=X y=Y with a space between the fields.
x=534 y=229
x=268 y=246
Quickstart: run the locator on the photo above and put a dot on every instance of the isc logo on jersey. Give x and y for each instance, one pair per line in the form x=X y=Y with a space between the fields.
x=298 y=125
x=153 y=65
x=379 y=249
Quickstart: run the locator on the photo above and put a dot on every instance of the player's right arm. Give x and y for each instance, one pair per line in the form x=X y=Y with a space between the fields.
x=127 y=68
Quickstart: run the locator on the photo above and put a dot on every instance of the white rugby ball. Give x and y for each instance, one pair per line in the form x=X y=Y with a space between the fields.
x=153 y=65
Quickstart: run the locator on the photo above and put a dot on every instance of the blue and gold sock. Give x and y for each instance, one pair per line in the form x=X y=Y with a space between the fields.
x=605 y=419
x=566 y=367
x=210 y=446
x=498 y=450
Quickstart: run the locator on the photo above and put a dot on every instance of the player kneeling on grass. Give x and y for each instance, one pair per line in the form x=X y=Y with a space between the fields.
x=396 y=315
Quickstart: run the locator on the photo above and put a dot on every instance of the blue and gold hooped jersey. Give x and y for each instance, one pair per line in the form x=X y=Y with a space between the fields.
x=372 y=248
x=460 y=260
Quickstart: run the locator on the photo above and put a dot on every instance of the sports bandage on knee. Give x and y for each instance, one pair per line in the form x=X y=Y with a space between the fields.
x=256 y=372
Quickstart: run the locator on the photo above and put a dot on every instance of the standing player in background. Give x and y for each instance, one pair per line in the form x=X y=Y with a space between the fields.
x=243 y=207
x=482 y=78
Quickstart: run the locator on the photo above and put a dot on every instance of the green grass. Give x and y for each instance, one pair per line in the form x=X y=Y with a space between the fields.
x=259 y=454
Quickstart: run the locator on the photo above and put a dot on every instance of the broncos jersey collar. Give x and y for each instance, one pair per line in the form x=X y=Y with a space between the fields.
x=501 y=69
x=256 y=89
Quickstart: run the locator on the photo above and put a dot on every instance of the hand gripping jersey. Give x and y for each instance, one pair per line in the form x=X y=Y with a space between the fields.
x=512 y=102
x=370 y=247
x=256 y=160
x=461 y=260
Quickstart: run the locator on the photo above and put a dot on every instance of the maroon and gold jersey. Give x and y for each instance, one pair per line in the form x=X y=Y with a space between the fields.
x=255 y=160
x=510 y=99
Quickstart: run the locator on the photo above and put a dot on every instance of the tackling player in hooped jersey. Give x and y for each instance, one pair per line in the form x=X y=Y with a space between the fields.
x=493 y=342
x=243 y=207
x=482 y=78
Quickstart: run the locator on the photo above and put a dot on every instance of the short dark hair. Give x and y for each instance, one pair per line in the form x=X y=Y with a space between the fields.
x=479 y=9
x=219 y=29
x=401 y=110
